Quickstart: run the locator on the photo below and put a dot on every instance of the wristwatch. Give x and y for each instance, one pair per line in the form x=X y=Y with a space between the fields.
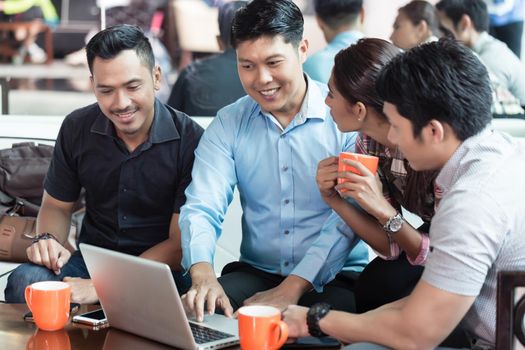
x=42 y=237
x=314 y=315
x=394 y=223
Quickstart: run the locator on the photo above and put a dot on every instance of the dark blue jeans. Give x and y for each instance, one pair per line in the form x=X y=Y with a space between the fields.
x=29 y=273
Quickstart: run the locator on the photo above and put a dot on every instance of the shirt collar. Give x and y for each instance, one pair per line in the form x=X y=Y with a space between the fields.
x=346 y=37
x=162 y=128
x=310 y=108
x=447 y=176
x=483 y=38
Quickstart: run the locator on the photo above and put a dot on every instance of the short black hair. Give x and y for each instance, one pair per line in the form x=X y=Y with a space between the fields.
x=443 y=80
x=111 y=41
x=337 y=13
x=268 y=18
x=226 y=14
x=475 y=9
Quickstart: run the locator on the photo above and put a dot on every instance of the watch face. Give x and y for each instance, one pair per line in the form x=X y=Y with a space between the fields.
x=396 y=223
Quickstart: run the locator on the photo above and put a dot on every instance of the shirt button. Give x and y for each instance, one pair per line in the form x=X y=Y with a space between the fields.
x=286 y=201
x=286 y=263
x=124 y=217
x=124 y=190
x=285 y=168
x=286 y=232
x=123 y=231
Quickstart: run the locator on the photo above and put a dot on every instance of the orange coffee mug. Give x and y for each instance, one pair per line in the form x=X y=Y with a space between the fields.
x=261 y=328
x=370 y=162
x=49 y=303
x=45 y=340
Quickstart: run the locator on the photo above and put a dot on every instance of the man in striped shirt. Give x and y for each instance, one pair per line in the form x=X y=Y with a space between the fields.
x=437 y=100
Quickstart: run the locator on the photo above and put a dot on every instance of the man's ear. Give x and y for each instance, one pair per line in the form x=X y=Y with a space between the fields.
x=157 y=78
x=362 y=16
x=320 y=22
x=464 y=23
x=222 y=47
x=435 y=131
x=422 y=29
x=303 y=50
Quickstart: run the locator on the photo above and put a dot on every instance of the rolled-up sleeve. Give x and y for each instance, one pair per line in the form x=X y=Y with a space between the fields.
x=327 y=256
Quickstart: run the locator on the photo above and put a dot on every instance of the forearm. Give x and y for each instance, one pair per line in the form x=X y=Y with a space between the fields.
x=370 y=229
x=389 y=328
x=295 y=286
x=327 y=255
x=168 y=252
x=56 y=221
x=201 y=272
x=364 y=225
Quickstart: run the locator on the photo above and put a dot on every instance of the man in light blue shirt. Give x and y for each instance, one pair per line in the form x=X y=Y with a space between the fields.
x=341 y=22
x=268 y=144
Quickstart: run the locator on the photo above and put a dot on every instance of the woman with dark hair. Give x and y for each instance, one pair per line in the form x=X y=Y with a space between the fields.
x=416 y=23
x=356 y=106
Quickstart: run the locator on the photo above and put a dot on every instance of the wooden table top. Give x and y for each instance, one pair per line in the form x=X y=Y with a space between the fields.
x=17 y=334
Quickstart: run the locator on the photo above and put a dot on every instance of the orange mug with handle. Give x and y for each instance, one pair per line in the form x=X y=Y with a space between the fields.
x=261 y=328
x=370 y=162
x=49 y=303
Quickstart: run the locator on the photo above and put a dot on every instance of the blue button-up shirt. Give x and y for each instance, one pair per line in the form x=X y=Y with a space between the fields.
x=319 y=65
x=283 y=223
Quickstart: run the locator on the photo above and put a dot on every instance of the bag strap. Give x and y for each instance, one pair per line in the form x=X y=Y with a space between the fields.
x=18 y=206
x=26 y=207
x=6 y=199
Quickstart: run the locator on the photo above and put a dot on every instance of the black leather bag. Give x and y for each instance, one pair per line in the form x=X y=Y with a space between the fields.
x=23 y=168
x=22 y=171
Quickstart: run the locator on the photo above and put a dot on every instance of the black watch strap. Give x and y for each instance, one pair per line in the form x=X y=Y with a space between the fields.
x=43 y=236
x=314 y=315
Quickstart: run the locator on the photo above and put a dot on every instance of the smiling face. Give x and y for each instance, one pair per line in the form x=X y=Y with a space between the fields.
x=125 y=91
x=271 y=73
x=405 y=34
x=341 y=110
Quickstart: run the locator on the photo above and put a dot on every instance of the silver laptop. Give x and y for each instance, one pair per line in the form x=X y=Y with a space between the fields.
x=140 y=296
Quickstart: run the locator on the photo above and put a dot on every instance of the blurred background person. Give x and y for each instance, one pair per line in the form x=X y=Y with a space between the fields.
x=468 y=22
x=38 y=13
x=416 y=23
x=506 y=22
x=207 y=85
x=341 y=22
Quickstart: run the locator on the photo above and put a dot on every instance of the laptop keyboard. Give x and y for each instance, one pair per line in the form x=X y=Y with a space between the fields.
x=204 y=334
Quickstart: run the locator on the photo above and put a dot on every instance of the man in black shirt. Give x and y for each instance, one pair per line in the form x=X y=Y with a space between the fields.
x=132 y=155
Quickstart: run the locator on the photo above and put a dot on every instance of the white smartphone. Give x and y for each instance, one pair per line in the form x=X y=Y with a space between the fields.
x=92 y=318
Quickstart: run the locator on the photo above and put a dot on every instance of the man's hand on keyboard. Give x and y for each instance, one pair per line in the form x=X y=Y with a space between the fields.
x=205 y=289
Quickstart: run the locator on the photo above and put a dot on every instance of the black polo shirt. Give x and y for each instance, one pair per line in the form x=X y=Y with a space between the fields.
x=130 y=197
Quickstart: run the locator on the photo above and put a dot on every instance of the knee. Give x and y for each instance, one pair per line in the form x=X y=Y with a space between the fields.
x=235 y=295
x=23 y=276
